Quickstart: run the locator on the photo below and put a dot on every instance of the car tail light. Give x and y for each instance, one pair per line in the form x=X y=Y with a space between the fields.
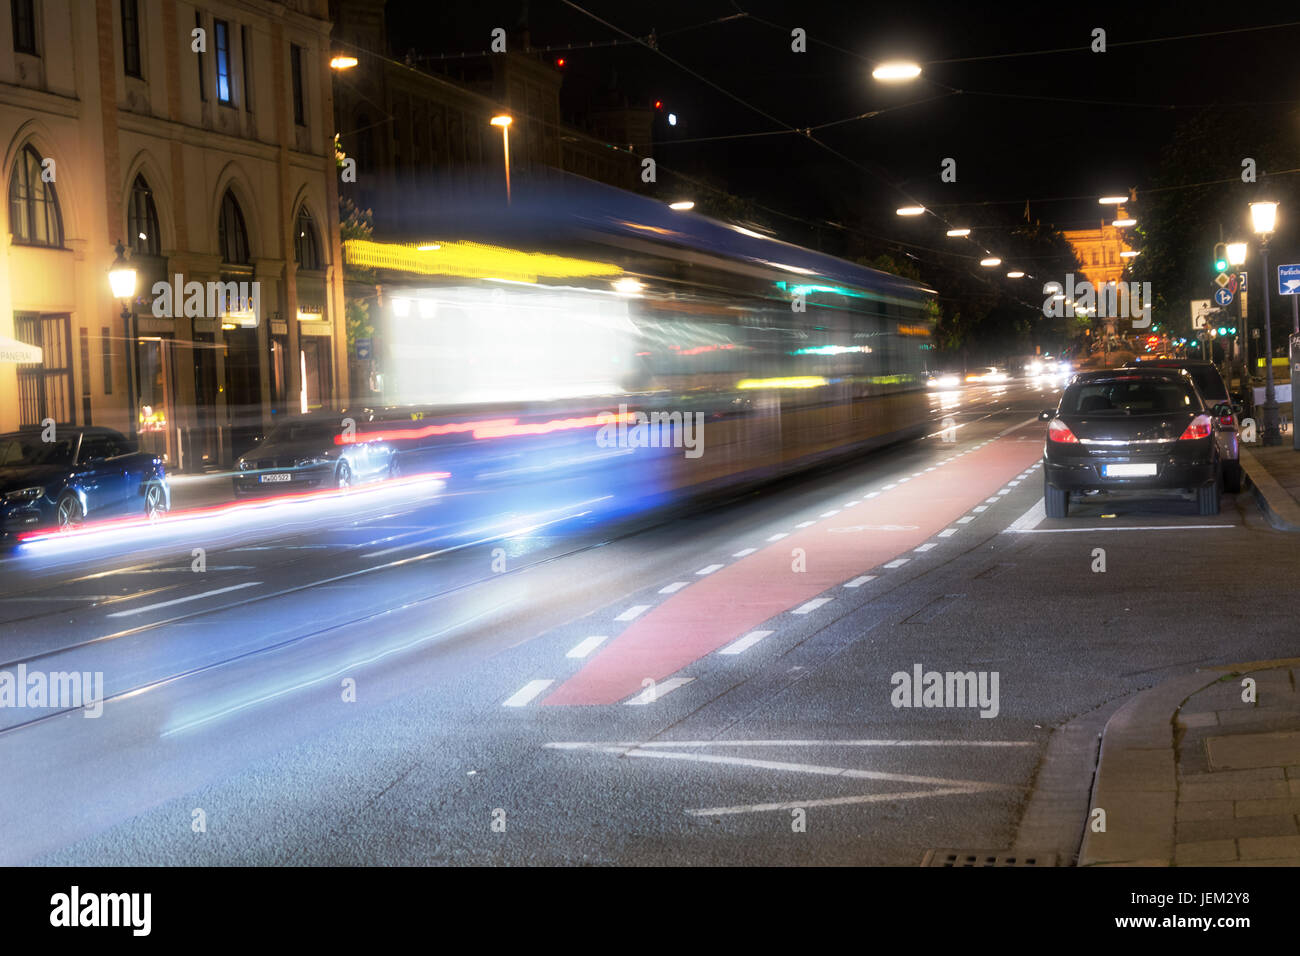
x=1226 y=421
x=1058 y=431
x=1200 y=427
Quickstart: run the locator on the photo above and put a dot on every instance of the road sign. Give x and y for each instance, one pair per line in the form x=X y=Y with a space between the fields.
x=1221 y=280
x=1199 y=308
x=363 y=349
x=1288 y=280
x=1223 y=297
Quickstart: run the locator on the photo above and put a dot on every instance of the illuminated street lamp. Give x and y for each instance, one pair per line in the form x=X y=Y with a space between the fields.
x=1236 y=253
x=1263 y=217
x=1122 y=223
x=955 y=233
x=896 y=72
x=122 y=281
x=504 y=122
x=991 y=261
x=1016 y=274
x=1112 y=200
x=682 y=205
x=342 y=61
x=910 y=210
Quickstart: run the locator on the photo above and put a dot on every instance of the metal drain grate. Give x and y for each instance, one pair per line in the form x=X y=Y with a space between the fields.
x=957 y=858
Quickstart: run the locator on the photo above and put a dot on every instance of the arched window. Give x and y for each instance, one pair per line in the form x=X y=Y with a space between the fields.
x=231 y=234
x=142 y=220
x=306 y=241
x=34 y=217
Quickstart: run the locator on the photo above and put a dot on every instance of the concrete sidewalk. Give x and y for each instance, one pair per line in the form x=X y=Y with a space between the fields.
x=1274 y=473
x=1195 y=772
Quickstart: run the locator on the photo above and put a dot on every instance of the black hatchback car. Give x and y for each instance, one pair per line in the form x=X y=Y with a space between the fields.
x=1121 y=430
x=83 y=473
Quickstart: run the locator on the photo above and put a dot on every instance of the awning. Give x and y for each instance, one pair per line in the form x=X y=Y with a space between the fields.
x=11 y=350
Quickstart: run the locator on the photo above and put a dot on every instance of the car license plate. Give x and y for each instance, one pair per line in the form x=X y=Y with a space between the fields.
x=276 y=476
x=1128 y=471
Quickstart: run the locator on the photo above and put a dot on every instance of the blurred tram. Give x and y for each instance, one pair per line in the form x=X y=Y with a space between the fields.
x=585 y=301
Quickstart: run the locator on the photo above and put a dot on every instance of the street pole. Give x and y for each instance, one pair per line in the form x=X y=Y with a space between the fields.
x=129 y=332
x=1272 y=433
x=505 y=143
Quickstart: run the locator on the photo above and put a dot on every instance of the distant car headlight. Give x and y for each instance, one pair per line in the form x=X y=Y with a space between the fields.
x=23 y=494
x=243 y=465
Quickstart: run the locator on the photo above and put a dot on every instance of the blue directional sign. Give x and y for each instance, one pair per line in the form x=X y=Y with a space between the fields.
x=1222 y=297
x=363 y=349
x=1288 y=280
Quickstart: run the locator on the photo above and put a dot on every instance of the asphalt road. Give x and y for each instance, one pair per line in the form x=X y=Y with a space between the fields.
x=420 y=673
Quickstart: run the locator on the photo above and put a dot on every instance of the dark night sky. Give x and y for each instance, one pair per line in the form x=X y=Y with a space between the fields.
x=1033 y=141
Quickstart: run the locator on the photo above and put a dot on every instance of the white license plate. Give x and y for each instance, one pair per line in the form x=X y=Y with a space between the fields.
x=276 y=476
x=1128 y=471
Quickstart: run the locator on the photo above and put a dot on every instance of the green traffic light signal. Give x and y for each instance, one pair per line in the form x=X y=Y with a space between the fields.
x=1221 y=265
x=1233 y=330
x=1222 y=330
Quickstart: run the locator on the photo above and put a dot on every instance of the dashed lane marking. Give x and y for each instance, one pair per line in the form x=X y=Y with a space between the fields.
x=659 y=691
x=858 y=582
x=526 y=693
x=673 y=588
x=587 y=645
x=810 y=606
x=192 y=597
x=632 y=613
x=744 y=643
x=709 y=570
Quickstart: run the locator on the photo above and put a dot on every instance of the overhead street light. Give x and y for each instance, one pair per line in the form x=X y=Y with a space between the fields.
x=1263 y=217
x=1112 y=200
x=991 y=261
x=1121 y=223
x=342 y=61
x=1236 y=253
x=1128 y=254
x=898 y=71
x=911 y=210
x=1015 y=275
x=504 y=121
x=958 y=232
x=682 y=205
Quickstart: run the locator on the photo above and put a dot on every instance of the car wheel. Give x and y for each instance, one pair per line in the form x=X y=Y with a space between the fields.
x=1232 y=477
x=343 y=476
x=69 y=512
x=155 y=502
x=1207 y=497
x=1056 y=501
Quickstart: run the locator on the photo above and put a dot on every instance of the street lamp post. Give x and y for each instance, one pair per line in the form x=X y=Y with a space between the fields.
x=122 y=279
x=1237 y=258
x=1264 y=218
x=504 y=122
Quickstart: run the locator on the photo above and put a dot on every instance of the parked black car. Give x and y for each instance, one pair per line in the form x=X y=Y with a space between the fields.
x=83 y=473
x=315 y=451
x=1214 y=392
x=1138 y=429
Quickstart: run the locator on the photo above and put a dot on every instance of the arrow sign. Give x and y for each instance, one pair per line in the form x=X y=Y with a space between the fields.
x=1288 y=280
x=1223 y=297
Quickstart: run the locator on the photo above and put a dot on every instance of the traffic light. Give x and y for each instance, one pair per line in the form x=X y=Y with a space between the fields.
x=1222 y=330
x=1220 y=257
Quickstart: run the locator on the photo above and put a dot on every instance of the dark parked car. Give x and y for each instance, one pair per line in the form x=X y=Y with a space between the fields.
x=83 y=473
x=315 y=451
x=1139 y=429
x=1214 y=392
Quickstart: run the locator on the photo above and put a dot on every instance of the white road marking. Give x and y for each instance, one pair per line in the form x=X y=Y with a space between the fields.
x=744 y=552
x=587 y=645
x=658 y=691
x=992 y=501
x=779 y=535
x=673 y=588
x=948 y=532
x=632 y=613
x=618 y=747
x=744 y=643
x=966 y=520
x=931 y=468
x=1150 y=527
x=850 y=504
x=903 y=479
x=709 y=570
x=805 y=524
x=873 y=494
x=980 y=508
x=897 y=562
x=829 y=514
x=192 y=597
x=526 y=693
x=858 y=582
x=924 y=547
x=811 y=606
x=1004 y=491
x=889 y=486
x=1013 y=482
x=1030 y=519
x=831 y=801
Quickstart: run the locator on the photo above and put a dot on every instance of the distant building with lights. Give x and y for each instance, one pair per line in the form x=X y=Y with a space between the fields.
x=1100 y=250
